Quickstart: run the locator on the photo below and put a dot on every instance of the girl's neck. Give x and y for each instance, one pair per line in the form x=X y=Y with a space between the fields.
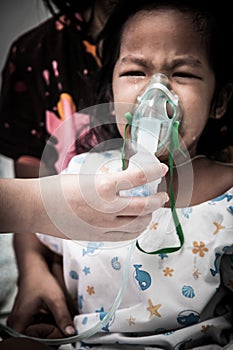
x=198 y=181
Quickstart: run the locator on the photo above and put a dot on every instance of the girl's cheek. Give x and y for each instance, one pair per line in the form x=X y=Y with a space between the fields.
x=124 y=90
x=120 y=124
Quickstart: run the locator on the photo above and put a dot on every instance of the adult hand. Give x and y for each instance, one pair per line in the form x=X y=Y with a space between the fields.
x=91 y=208
x=81 y=207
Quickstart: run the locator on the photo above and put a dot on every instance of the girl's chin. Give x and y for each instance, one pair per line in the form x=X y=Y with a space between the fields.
x=178 y=157
x=162 y=156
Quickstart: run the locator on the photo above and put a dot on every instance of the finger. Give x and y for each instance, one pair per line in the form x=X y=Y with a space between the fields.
x=109 y=200
x=131 y=224
x=136 y=177
x=43 y=330
x=140 y=206
x=129 y=228
x=61 y=314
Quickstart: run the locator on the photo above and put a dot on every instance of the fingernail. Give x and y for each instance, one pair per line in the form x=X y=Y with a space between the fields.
x=70 y=330
x=164 y=168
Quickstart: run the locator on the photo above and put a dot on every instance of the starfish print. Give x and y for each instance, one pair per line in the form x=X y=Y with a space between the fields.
x=196 y=274
x=104 y=169
x=86 y=270
x=168 y=271
x=153 y=309
x=132 y=320
x=90 y=290
x=205 y=328
x=154 y=226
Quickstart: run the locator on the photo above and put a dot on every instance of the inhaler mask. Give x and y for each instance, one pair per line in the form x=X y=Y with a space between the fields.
x=154 y=116
x=152 y=125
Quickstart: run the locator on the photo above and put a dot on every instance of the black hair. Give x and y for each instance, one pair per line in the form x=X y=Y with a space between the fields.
x=70 y=8
x=67 y=7
x=213 y=22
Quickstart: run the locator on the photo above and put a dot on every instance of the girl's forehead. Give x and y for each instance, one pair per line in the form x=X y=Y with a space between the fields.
x=162 y=35
x=160 y=27
x=157 y=15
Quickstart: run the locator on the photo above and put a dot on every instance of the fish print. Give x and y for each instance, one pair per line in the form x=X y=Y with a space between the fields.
x=143 y=277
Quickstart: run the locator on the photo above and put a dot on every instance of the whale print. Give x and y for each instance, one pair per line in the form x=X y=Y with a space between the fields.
x=143 y=278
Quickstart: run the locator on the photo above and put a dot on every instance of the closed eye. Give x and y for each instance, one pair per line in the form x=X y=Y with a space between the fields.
x=186 y=75
x=133 y=74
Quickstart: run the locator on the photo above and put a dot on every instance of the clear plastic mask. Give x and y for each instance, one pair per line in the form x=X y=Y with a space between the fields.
x=153 y=118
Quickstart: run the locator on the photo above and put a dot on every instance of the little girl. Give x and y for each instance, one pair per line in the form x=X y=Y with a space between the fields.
x=141 y=293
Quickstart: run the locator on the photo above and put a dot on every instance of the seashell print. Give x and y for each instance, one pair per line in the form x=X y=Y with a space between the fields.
x=116 y=265
x=73 y=275
x=188 y=292
x=188 y=317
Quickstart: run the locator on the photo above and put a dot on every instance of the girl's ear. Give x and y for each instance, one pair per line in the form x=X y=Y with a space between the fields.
x=222 y=101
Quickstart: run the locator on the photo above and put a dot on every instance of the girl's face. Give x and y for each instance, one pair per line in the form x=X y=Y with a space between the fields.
x=165 y=41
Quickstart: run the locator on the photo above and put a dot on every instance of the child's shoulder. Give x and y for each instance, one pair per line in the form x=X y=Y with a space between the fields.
x=222 y=173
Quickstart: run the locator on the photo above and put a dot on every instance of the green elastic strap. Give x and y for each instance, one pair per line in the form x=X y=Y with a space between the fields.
x=129 y=119
x=174 y=145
